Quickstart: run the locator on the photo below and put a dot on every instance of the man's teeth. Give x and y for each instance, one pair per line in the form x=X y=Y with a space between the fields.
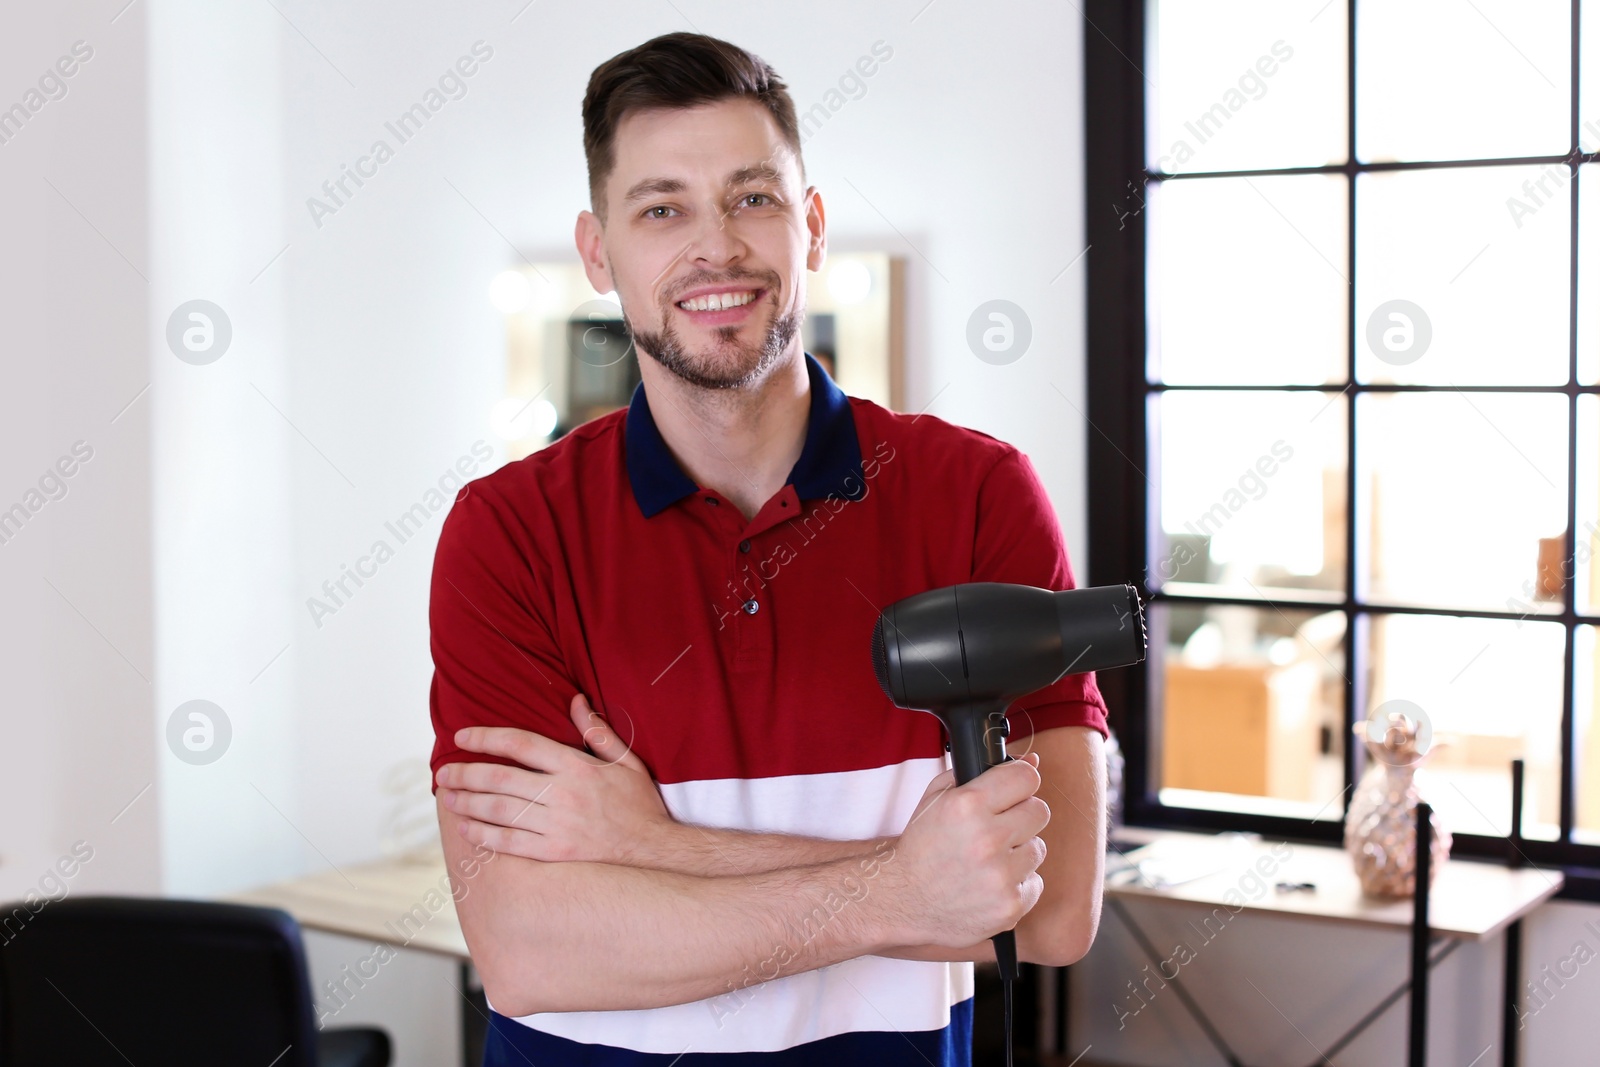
x=717 y=301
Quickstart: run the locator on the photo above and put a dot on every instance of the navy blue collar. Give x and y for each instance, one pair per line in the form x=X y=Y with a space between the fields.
x=829 y=463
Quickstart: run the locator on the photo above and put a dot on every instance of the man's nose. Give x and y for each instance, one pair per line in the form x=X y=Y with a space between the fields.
x=716 y=242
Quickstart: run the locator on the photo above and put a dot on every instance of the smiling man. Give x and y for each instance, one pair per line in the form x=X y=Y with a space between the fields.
x=653 y=694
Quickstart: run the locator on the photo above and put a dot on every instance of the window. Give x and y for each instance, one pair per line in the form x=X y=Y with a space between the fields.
x=1344 y=377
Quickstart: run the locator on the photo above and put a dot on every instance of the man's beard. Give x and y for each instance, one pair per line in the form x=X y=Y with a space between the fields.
x=744 y=366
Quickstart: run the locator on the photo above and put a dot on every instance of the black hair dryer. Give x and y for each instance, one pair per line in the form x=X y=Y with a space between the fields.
x=966 y=652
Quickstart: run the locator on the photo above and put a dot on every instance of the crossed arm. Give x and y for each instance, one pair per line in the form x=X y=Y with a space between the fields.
x=646 y=911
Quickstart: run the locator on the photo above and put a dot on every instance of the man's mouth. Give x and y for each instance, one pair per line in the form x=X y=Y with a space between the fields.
x=719 y=308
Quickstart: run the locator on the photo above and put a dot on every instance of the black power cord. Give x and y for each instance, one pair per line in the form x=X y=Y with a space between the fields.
x=1006 y=983
x=1005 y=950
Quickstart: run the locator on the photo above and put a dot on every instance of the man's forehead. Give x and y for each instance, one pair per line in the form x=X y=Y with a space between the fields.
x=731 y=142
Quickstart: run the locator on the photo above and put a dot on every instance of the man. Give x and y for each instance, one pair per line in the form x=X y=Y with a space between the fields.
x=653 y=695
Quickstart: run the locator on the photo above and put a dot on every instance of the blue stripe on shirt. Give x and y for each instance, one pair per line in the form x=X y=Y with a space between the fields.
x=510 y=1044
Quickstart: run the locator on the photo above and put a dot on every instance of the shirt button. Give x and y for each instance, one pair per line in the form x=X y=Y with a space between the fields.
x=744 y=546
x=751 y=607
x=711 y=500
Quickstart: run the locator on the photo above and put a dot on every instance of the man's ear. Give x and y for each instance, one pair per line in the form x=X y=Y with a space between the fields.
x=817 y=230
x=589 y=236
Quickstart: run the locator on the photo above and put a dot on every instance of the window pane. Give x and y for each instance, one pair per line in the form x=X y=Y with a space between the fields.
x=1247 y=84
x=1589 y=266
x=1451 y=289
x=1586 y=750
x=1441 y=79
x=1252 y=494
x=1456 y=492
x=1248 y=281
x=1581 y=566
x=1589 y=78
x=1490 y=689
x=1252 y=708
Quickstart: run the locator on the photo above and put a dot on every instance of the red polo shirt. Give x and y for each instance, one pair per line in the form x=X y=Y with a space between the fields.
x=733 y=655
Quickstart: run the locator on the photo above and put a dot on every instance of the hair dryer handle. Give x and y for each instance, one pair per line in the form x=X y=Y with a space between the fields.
x=978 y=742
x=1005 y=954
x=977 y=739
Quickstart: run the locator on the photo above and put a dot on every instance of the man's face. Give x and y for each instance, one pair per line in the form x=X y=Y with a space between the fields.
x=707 y=239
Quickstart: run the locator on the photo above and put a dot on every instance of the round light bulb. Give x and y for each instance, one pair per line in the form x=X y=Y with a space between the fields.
x=516 y=418
x=849 y=281
x=544 y=417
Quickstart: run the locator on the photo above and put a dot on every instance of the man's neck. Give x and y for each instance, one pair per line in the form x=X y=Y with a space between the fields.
x=742 y=443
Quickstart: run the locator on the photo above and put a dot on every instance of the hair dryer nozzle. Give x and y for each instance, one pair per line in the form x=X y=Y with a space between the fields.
x=1101 y=627
x=988 y=641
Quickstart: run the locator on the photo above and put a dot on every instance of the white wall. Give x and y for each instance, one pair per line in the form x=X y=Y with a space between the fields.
x=225 y=492
x=76 y=647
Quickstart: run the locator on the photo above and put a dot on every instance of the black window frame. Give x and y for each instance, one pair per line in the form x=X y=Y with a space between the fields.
x=1121 y=522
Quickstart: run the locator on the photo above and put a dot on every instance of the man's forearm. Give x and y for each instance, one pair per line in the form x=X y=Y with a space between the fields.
x=711 y=851
x=1028 y=950
x=983 y=953
x=689 y=937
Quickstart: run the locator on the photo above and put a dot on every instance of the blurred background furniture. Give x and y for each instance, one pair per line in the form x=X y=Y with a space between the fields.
x=405 y=901
x=1469 y=902
x=1249 y=728
x=118 y=980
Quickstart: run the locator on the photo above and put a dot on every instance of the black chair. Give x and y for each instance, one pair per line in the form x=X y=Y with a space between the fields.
x=114 y=980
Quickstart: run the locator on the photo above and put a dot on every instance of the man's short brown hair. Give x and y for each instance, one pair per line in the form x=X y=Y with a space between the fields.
x=675 y=70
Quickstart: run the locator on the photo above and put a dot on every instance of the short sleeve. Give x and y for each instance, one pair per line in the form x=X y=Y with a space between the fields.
x=1019 y=540
x=496 y=661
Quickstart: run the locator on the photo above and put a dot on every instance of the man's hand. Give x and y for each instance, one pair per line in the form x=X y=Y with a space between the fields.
x=968 y=860
x=561 y=804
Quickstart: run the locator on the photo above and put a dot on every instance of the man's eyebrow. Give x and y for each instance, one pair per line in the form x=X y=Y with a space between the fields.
x=762 y=172
x=653 y=187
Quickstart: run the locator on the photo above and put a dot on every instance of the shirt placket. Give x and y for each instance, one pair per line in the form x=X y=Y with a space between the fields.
x=754 y=565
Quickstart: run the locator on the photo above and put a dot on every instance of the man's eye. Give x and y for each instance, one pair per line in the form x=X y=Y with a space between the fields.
x=651 y=211
x=763 y=197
